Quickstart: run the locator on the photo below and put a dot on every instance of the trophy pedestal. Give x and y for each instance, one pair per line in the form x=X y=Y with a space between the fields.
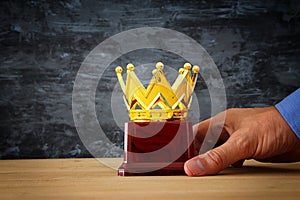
x=156 y=148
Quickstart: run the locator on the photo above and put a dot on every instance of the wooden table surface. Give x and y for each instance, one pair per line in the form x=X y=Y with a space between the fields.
x=91 y=179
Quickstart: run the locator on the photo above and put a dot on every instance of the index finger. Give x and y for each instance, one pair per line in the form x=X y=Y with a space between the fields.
x=210 y=133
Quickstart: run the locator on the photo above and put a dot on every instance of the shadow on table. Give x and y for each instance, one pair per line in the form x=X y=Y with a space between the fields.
x=267 y=169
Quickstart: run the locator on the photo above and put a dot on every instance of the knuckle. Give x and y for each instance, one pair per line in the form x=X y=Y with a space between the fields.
x=244 y=145
x=217 y=159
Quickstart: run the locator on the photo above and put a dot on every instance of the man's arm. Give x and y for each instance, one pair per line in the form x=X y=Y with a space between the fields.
x=289 y=108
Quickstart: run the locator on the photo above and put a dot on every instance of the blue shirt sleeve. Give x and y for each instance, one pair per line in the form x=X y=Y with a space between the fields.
x=289 y=108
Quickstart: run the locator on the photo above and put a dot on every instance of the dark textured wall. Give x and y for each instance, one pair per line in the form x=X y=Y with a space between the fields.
x=255 y=44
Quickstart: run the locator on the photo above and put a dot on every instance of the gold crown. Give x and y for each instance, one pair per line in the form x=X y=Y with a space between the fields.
x=160 y=101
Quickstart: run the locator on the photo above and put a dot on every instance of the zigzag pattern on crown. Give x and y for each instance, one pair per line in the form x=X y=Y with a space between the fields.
x=159 y=101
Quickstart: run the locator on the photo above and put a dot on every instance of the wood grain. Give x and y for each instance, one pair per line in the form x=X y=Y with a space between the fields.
x=91 y=179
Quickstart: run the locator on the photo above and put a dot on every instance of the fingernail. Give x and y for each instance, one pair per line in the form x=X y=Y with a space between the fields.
x=195 y=167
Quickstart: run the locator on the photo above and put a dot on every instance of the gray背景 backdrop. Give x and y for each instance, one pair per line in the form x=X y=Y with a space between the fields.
x=254 y=43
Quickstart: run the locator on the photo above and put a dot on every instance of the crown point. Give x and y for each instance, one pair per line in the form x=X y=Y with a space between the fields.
x=187 y=66
x=119 y=69
x=159 y=66
x=130 y=67
x=196 y=69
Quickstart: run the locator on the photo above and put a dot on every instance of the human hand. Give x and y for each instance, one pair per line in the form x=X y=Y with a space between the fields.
x=258 y=133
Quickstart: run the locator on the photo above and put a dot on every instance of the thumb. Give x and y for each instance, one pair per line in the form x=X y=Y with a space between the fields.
x=215 y=160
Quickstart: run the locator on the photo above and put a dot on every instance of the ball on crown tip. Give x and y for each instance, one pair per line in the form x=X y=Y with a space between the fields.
x=154 y=72
x=181 y=70
x=119 y=69
x=187 y=66
x=130 y=67
x=159 y=66
x=196 y=69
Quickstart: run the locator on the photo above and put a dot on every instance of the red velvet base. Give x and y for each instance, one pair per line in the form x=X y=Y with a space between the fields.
x=156 y=148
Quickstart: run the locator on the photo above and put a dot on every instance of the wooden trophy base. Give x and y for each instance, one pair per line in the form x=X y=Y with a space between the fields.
x=156 y=148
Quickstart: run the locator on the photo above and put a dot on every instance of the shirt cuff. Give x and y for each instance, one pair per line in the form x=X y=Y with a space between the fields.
x=289 y=108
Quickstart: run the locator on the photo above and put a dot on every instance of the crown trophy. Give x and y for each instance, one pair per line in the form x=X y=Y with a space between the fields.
x=158 y=139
